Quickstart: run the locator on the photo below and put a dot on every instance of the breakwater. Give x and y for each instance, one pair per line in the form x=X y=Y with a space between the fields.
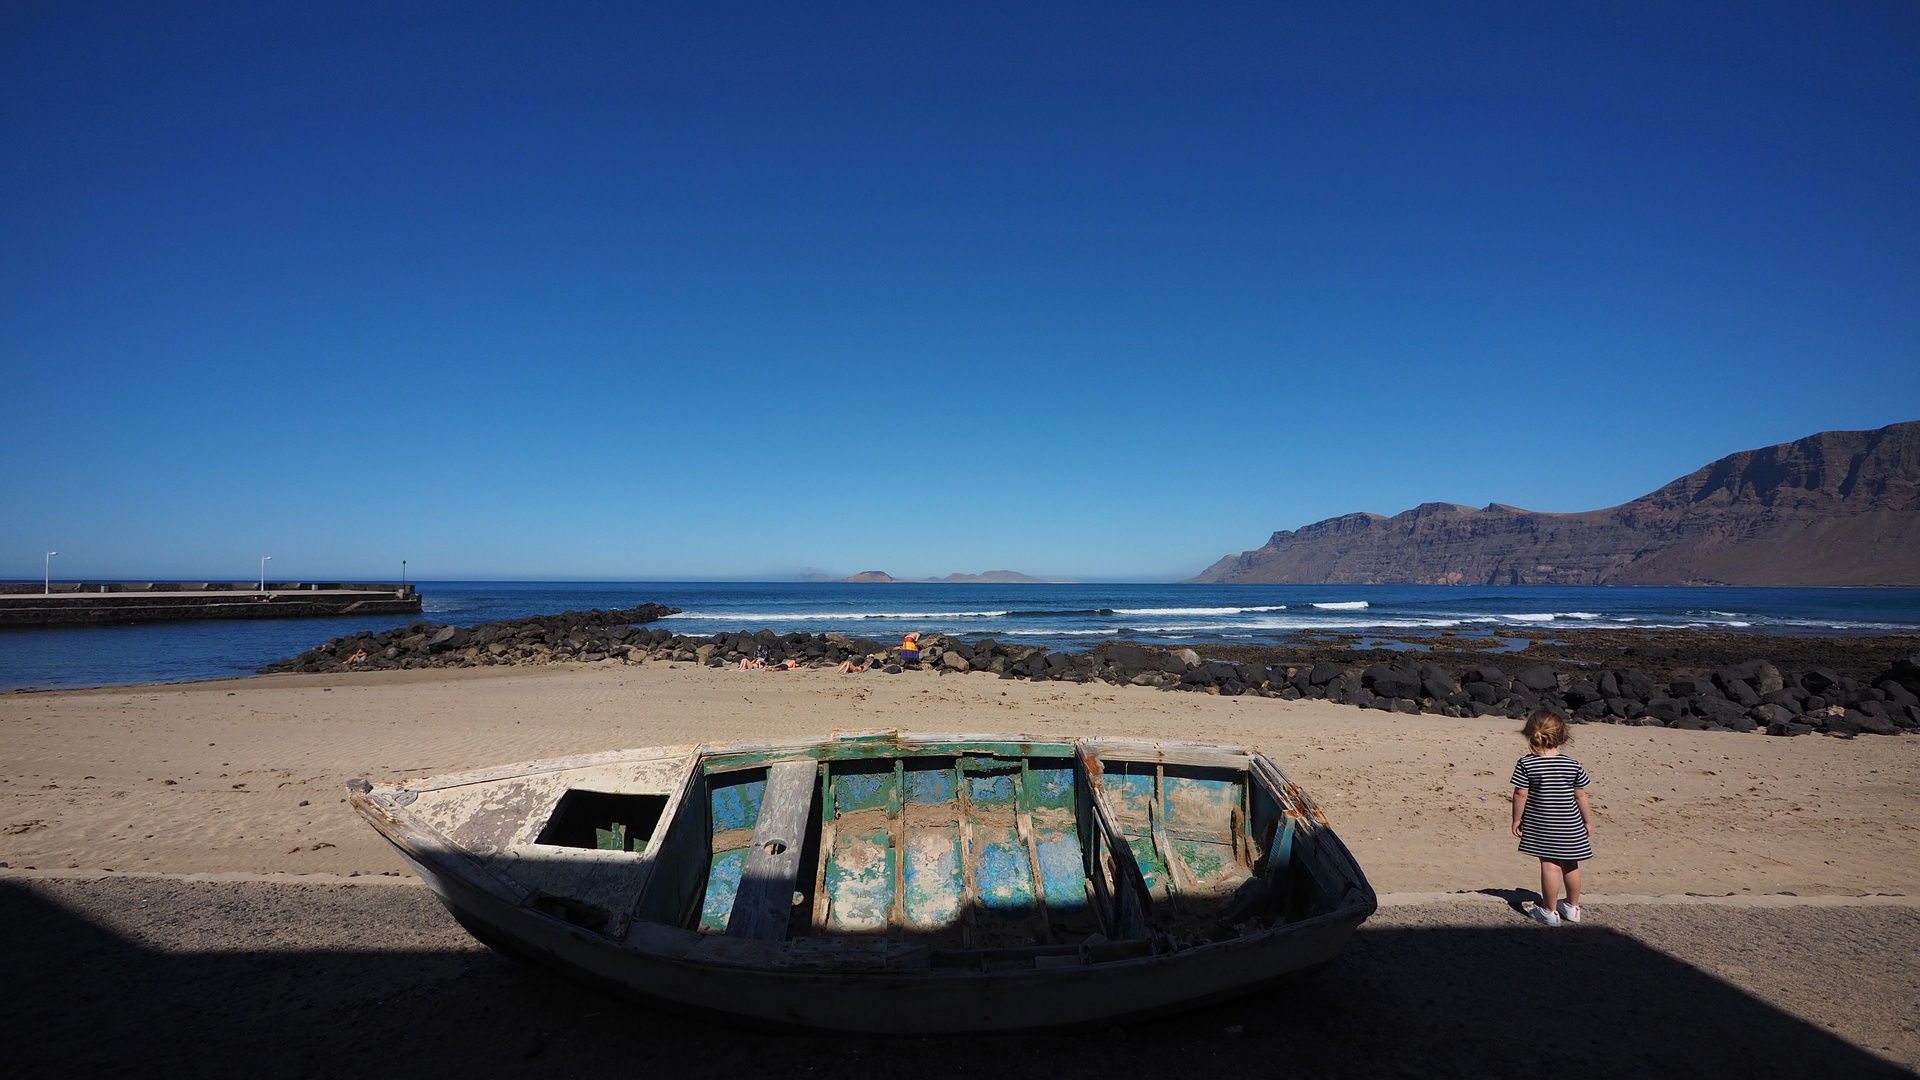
x=1637 y=684
x=118 y=602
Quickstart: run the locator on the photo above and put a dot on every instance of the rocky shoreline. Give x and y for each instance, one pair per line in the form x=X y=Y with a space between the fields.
x=1698 y=681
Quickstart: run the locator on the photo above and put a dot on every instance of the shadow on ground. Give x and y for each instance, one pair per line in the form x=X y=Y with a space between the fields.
x=80 y=999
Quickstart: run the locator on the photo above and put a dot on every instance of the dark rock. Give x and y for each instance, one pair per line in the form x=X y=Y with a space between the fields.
x=1742 y=694
x=1390 y=682
x=1484 y=692
x=1581 y=693
x=1539 y=679
x=1689 y=723
x=1870 y=724
x=1718 y=710
x=1636 y=684
x=1789 y=728
x=1786 y=699
x=1896 y=693
x=1492 y=676
x=1819 y=680
x=1436 y=689
x=1689 y=686
x=1323 y=673
x=1771 y=714
x=1666 y=710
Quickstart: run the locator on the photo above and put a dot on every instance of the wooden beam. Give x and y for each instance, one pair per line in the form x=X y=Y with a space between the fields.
x=764 y=903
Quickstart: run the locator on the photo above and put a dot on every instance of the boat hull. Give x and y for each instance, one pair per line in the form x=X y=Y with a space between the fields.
x=939 y=1001
x=876 y=983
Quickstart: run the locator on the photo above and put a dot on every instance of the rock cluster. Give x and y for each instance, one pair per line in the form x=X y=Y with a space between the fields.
x=571 y=635
x=1752 y=696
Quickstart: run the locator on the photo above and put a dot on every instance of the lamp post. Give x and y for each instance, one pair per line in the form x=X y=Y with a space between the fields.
x=403 y=571
x=46 y=585
x=263 y=572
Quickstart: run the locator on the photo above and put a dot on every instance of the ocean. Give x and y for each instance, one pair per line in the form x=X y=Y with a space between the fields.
x=1058 y=616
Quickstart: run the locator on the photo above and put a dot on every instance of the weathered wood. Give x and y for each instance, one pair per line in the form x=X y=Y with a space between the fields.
x=1119 y=854
x=765 y=901
x=897 y=840
x=822 y=902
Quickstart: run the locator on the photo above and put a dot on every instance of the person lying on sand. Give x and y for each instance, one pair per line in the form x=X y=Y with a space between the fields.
x=848 y=667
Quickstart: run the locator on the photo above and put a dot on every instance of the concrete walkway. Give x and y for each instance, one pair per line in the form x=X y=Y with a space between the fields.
x=234 y=974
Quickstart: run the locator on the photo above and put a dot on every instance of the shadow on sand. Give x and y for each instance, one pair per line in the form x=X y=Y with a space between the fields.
x=78 y=999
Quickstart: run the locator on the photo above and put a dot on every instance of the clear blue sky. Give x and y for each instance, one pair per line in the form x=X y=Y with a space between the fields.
x=1097 y=291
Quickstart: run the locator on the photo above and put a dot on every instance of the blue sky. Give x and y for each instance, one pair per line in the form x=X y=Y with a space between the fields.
x=1095 y=291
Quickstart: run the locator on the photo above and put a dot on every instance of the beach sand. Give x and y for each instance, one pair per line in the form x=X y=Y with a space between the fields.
x=1421 y=800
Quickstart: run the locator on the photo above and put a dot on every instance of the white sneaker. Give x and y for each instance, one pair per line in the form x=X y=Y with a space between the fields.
x=1569 y=912
x=1542 y=915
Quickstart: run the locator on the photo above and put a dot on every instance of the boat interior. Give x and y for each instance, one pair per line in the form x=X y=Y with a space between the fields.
x=976 y=848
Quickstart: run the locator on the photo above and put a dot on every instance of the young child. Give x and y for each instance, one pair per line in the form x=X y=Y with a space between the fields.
x=1551 y=816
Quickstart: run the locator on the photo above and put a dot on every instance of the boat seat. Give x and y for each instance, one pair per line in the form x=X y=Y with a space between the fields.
x=765 y=900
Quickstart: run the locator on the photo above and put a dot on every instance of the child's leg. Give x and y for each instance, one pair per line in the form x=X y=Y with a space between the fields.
x=1549 y=883
x=1571 y=873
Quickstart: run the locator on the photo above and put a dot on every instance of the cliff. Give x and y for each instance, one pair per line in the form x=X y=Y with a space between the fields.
x=1836 y=508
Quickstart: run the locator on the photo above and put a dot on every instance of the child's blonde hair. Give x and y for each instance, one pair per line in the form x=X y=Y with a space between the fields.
x=1545 y=730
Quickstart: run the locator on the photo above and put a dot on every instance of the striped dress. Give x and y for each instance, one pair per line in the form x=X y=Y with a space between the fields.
x=1550 y=824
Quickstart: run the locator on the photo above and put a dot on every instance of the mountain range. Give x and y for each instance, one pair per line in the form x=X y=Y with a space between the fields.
x=991 y=577
x=1836 y=508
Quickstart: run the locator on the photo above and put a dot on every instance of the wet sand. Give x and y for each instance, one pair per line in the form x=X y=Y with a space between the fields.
x=1421 y=800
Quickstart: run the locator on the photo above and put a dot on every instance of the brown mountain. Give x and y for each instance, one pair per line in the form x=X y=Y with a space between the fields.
x=991 y=577
x=1837 y=508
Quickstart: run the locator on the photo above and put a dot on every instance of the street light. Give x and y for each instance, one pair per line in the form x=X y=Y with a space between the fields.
x=263 y=572
x=47 y=584
x=403 y=571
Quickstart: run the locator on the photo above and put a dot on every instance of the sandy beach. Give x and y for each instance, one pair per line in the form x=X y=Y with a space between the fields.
x=1743 y=863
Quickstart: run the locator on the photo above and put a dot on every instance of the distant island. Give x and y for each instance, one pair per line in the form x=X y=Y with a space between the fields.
x=1836 y=508
x=991 y=577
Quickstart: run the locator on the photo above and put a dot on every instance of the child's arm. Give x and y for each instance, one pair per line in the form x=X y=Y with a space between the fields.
x=1586 y=811
x=1520 y=804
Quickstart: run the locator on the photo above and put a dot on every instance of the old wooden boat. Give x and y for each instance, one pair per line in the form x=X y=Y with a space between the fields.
x=889 y=882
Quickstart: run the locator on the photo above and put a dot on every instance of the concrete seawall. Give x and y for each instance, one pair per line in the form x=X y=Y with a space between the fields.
x=104 y=603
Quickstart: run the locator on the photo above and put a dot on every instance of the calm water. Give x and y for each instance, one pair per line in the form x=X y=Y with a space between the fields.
x=1060 y=616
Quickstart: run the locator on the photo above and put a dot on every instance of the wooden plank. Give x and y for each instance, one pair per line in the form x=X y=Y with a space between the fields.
x=969 y=884
x=897 y=839
x=821 y=901
x=1118 y=851
x=1042 y=918
x=765 y=901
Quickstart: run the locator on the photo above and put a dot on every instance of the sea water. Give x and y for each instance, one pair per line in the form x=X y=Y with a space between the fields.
x=1058 y=616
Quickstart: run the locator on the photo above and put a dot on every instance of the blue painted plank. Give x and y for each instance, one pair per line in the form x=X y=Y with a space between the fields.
x=859 y=881
x=934 y=885
x=1001 y=870
x=1062 y=874
x=1050 y=789
x=723 y=884
x=929 y=786
x=861 y=791
x=737 y=806
x=991 y=791
x=1200 y=809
